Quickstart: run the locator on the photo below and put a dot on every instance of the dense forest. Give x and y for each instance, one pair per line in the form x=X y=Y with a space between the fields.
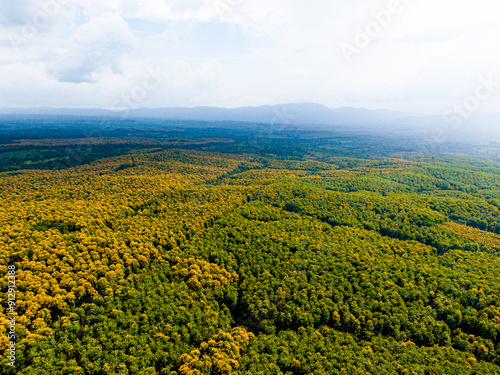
x=191 y=249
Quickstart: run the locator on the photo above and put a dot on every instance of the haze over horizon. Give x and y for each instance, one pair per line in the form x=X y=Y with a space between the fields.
x=422 y=57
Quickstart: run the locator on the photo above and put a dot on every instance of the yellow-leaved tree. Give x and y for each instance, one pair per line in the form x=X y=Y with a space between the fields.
x=220 y=355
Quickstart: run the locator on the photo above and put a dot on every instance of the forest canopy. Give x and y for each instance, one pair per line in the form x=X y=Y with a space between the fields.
x=209 y=254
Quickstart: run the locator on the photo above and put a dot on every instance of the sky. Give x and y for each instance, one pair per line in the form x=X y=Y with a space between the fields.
x=420 y=56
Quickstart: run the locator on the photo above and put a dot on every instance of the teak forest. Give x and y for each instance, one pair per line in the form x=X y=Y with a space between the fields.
x=197 y=249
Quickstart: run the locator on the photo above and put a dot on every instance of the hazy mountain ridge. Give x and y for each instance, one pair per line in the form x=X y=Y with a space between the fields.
x=475 y=128
x=294 y=113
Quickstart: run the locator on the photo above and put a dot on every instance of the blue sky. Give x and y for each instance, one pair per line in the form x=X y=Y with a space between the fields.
x=413 y=55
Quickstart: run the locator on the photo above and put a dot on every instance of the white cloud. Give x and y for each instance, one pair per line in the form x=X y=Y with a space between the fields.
x=185 y=84
x=96 y=46
x=259 y=51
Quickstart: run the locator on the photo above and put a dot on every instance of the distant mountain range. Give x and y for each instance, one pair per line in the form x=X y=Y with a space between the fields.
x=287 y=114
x=487 y=127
